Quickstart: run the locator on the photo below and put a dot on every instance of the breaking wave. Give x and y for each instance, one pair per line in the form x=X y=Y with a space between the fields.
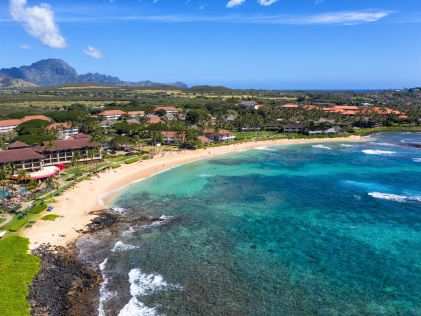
x=394 y=197
x=121 y=246
x=321 y=147
x=141 y=285
x=104 y=293
x=378 y=152
x=264 y=148
x=417 y=159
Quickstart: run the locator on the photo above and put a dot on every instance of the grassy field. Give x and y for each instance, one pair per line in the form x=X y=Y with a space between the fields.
x=50 y=217
x=17 y=269
x=52 y=104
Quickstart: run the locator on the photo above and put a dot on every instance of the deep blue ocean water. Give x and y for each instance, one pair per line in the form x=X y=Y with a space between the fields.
x=332 y=229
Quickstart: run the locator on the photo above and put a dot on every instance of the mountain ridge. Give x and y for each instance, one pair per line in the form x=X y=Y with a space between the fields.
x=56 y=72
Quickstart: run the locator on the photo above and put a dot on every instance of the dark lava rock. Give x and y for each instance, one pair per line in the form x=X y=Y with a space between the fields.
x=63 y=286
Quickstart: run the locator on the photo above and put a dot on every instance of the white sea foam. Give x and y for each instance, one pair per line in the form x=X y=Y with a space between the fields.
x=104 y=293
x=388 y=196
x=321 y=147
x=395 y=197
x=141 y=285
x=119 y=210
x=121 y=246
x=346 y=145
x=417 y=159
x=264 y=148
x=378 y=152
x=163 y=220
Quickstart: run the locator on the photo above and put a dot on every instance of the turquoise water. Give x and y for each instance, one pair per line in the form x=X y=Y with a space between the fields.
x=296 y=230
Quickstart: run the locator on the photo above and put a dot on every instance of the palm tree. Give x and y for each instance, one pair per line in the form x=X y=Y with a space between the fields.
x=22 y=174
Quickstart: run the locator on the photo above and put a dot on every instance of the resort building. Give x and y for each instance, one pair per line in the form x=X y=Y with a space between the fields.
x=17 y=145
x=172 y=138
x=293 y=128
x=154 y=120
x=24 y=158
x=7 y=126
x=66 y=151
x=41 y=159
x=204 y=140
x=219 y=136
x=289 y=106
x=167 y=109
x=136 y=114
x=65 y=130
x=335 y=130
x=112 y=115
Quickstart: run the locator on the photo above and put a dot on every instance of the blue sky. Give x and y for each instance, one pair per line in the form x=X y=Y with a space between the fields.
x=284 y=44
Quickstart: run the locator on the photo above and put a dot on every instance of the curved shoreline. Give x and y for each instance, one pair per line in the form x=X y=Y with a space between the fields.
x=76 y=205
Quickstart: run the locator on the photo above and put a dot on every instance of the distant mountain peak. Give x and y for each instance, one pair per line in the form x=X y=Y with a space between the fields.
x=55 y=72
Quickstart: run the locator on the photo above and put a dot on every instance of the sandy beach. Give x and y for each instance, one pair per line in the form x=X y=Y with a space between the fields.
x=75 y=205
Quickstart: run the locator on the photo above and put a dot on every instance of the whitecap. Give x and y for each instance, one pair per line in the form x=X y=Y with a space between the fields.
x=417 y=159
x=395 y=197
x=264 y=148
x=321 y=147
x=346 y=145
x=141 y=285
x=388 y=196
x=104 y=293
x=120 y=246
x=378 y=152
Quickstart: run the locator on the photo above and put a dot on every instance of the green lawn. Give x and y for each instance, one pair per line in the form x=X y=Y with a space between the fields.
x=50 y=217
x=17 y=269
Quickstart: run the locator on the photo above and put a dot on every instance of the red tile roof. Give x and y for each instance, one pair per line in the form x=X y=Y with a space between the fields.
x=112 y=112
x=69 y=144
x=204 y=140
x=166 y=108
x=35 y=117
x=8 y=156
x=5 y=123
x=154 y=120
x=17 y=145
x=290 y=106
x=208 y=131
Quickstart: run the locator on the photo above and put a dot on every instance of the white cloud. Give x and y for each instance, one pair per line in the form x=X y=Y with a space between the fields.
x=25 y=46
x=330 y=18
x=344 y=18
x=94 y=52
x=267 y=3
x=38 y=21
x=234 y=3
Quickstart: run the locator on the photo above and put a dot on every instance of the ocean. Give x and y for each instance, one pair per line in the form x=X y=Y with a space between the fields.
x=325 y=229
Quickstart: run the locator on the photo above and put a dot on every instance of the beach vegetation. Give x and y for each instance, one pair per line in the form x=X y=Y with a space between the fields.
x=50 y=217
x=131 y=161
x=17 y=270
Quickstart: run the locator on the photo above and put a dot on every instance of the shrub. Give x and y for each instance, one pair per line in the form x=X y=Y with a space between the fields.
x=50 y=217
x=132 y=160
x=17 y=223
x=38 y=207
